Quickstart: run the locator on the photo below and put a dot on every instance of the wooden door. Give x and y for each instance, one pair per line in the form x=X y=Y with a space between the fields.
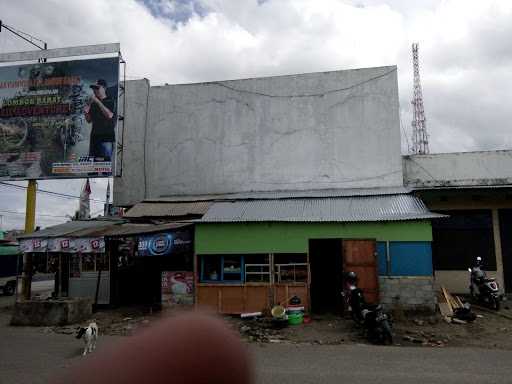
x=360 y=256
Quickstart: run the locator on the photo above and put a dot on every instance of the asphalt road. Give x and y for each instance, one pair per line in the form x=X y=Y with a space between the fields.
x=32 y=355
x=29 y=355
x=357 y=364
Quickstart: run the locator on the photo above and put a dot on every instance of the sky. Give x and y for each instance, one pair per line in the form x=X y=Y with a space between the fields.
x=464 y=49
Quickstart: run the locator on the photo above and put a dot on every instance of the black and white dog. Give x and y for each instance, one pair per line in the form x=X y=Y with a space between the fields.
x=90 y=335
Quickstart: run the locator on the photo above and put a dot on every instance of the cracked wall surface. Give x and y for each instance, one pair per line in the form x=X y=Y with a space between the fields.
x=313 y=131
x=462 y=169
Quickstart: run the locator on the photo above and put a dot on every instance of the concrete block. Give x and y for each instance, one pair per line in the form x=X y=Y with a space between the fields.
x=51 y=312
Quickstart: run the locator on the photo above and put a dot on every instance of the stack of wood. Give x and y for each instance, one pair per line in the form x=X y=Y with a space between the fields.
x=448 y=305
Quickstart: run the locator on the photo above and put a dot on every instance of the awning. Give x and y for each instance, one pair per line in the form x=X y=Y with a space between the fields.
x=335 y=209
x=87 y=236
x=81 y=227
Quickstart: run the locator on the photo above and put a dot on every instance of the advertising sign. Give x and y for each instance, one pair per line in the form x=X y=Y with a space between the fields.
x=178 y=287
x=90 y=245
x=58 y=120
x=163 y=244
x=64 y=245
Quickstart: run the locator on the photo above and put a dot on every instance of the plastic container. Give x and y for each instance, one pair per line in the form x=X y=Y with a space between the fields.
x=295 y=318
x=278 y=312
x=294 y=309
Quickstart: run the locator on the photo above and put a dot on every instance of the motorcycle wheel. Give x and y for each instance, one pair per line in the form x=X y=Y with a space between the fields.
x=472 y=292
x=495 y=303
x=386 y=335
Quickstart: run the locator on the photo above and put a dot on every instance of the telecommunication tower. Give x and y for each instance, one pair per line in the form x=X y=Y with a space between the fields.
x=419 y=127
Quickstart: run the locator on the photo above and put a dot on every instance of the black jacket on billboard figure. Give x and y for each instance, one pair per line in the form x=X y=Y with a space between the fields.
x=103 y=129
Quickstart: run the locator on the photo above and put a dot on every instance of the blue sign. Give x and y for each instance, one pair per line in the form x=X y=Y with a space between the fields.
x=163 y=244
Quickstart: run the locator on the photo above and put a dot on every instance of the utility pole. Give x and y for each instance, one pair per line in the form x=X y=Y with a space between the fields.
x=30 y=213
x=30 y=223
x=106 y=207
x=419 y=127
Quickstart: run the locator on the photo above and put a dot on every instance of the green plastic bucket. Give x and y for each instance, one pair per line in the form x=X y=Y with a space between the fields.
x=295 y=318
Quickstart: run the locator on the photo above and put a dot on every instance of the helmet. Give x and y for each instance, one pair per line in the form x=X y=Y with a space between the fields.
x=351 y=276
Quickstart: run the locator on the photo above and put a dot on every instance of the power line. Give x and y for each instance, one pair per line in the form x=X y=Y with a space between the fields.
x=320 y=94
x=51 y=193
x=38 y=214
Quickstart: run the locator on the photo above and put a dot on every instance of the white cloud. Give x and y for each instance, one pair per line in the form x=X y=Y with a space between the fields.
x=464 y=52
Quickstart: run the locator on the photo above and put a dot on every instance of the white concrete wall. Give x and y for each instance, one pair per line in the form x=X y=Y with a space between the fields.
x=458 y=169
x=130 y=187
x=322 y=130
x=457 y=281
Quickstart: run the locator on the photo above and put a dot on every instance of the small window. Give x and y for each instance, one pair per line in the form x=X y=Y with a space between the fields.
x=74 y=268
x=290 y=268
x=257 y=268
x=225 y=268
x=211 y=268
x=88 y=262
x=232 y=268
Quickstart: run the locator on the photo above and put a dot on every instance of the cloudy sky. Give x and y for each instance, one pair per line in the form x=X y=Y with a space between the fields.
x=465 y=57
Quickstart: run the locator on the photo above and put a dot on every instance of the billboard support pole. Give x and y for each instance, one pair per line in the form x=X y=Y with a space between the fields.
x=30 y=221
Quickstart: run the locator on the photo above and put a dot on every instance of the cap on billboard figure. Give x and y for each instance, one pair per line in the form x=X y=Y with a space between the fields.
x=99 y=82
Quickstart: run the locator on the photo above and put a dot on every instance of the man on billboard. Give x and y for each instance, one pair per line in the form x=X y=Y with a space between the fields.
x=101 y=113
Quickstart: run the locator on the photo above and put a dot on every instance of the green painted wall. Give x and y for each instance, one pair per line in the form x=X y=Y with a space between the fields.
x=293 y=237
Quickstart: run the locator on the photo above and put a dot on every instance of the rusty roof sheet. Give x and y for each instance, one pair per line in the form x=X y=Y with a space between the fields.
x=70 y=228
x=107 y=228
x=130 y=229
x=167 y=209
x=340 y=209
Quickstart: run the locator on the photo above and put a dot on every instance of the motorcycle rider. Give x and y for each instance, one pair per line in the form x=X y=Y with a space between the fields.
x=376 y=324
x=483 y=288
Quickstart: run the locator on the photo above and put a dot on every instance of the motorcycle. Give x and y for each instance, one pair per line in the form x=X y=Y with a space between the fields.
x=376 y=323
x=482 y=288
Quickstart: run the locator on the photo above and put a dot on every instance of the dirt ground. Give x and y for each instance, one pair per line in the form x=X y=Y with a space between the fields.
x=489 y=330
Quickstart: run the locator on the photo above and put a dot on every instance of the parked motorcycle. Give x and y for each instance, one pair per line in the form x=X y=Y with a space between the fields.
x=482 y=288
x=376 y=323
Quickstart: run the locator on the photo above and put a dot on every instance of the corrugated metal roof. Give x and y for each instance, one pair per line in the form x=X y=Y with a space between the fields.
x=287 y=194
x=341 y=209
x=167 y=209
x=95 y=228
x=69 y=228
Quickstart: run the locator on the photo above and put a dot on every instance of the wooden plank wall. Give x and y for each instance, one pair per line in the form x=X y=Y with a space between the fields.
x=236 y=299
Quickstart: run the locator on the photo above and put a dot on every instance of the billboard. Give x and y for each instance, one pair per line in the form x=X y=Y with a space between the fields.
x=58 y=120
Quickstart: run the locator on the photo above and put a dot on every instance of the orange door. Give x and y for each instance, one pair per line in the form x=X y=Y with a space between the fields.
x=360 y=256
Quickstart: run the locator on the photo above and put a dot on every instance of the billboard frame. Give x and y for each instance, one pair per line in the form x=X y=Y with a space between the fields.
x=81 y=53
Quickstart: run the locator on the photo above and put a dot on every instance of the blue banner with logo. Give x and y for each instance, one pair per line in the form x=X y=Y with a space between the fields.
x=165 y=243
